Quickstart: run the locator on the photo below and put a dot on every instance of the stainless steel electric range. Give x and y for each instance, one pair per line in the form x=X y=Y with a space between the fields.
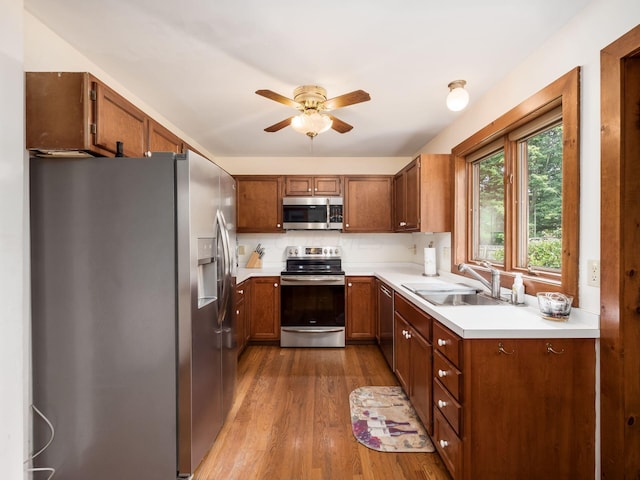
x=312 y=308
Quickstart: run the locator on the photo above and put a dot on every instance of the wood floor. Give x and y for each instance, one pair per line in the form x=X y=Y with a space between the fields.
x=290 y=420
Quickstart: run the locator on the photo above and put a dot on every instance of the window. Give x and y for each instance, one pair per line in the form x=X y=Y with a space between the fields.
x=517 y=190
x=488 y=208
x=539 y=200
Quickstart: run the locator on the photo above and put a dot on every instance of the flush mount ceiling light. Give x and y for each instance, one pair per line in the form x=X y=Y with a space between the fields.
x=458 y=97
x=311 y=123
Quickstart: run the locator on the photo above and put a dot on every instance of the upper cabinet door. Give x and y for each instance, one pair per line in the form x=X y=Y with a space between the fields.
x=259 y=204
x=298 y=186
x=303 y=186
x=117 y=120
x=327 y=186
x=367 y=204
x=159 y=139
x=422 y=193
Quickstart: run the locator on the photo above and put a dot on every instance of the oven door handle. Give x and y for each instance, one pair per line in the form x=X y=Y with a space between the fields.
x=312 y=280
x=297 y=330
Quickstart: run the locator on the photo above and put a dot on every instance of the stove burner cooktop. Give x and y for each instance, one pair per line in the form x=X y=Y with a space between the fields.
x=303 y=260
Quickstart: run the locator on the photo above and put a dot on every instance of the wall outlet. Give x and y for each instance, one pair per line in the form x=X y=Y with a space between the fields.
x=241 y=249
x=593 y=273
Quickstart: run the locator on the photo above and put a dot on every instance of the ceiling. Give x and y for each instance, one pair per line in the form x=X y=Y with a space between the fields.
x=199 y=62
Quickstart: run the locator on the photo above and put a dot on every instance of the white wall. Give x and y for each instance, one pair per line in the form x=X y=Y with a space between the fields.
x=13 y=247
x=577 y=44
x=313 y=165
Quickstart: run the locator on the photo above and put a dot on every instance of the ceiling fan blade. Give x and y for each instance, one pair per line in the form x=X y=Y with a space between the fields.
x=278 y=98
x=339 y=126
x=279 y=126
x=352 y=98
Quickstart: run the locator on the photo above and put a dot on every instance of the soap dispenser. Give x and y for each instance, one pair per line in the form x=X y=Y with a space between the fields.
x=517 y=290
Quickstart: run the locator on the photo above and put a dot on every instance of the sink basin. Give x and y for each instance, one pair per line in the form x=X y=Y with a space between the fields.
x=451 y=294
x=459 y=299
x=439 y=288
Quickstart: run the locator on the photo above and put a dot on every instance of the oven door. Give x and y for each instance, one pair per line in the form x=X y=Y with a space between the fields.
x=312 y=311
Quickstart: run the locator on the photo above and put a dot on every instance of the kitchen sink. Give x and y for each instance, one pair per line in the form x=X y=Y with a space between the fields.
x=451 y=294
x=458 y=299
x=439 y=288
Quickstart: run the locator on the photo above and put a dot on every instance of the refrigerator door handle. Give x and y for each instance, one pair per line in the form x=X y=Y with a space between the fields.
x=225 y=293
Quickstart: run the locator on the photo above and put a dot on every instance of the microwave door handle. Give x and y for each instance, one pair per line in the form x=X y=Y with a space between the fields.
x=328 y=213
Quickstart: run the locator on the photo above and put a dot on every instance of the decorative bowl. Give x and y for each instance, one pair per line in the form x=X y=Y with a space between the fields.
x=554 y=305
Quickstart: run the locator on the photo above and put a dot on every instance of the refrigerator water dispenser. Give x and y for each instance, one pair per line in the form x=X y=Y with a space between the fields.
x=207 y=275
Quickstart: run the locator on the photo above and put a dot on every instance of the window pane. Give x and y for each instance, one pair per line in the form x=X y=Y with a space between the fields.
x=541 y=200
x=488 y=228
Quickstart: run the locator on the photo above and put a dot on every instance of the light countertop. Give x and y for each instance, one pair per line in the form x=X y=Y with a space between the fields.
x=499 y=321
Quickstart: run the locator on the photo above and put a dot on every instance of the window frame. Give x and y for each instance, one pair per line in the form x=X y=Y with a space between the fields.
x=564 y=93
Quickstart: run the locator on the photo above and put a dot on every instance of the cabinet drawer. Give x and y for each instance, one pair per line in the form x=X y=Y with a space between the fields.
x=447 y=374
x=448 y=343
x=419 y=320
x=448 y=444
x=447 y=405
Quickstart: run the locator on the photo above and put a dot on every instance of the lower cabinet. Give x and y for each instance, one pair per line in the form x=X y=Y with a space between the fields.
x=242 y=318
x=413 y=357
x=264 y=308
x=514 y=408
x=360 y=301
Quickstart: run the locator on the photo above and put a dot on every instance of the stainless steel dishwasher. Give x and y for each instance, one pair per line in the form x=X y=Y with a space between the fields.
x=385 y=322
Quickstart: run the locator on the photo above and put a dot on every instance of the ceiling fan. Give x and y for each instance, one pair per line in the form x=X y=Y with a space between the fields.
x=311 y=101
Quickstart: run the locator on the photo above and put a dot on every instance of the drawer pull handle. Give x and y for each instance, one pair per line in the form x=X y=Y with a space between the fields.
x=444 y=443
x=502 y=350
x=442 y=343
x=241 y=292
x=442 y=404
x=442 y=373
x=550 y=349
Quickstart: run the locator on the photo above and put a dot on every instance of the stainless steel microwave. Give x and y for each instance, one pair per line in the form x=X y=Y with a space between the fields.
x=312 y=213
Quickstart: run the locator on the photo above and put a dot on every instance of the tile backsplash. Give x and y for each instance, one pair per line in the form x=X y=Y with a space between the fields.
x=356 y=248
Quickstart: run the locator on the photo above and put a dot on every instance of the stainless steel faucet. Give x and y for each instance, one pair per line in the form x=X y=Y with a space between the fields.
x=493 y=286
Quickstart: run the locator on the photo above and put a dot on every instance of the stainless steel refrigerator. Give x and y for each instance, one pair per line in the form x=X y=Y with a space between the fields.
x=133 y=338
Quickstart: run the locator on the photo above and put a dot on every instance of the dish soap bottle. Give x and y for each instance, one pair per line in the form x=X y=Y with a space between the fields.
x=517 y=290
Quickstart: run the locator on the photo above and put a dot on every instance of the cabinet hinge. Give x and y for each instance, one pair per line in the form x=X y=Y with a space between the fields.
x=92 y=95
x=93 y=129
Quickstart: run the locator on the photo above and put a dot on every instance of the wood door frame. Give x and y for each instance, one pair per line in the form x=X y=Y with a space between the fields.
x=619 y=302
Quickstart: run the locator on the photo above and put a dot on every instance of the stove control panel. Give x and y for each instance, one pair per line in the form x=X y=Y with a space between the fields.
x=312 y=252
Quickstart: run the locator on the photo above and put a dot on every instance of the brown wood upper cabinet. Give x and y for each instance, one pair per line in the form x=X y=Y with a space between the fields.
x=367 y=204
x=422 y=195
x=160 y=139
x=302 y=186
x=259 y=203
x=74 y=111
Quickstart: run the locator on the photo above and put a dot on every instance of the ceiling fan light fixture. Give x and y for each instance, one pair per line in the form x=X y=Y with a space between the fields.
x=458 y=97
x=311 y=123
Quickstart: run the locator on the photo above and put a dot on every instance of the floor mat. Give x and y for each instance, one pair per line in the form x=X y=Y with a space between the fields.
x=383 y=419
